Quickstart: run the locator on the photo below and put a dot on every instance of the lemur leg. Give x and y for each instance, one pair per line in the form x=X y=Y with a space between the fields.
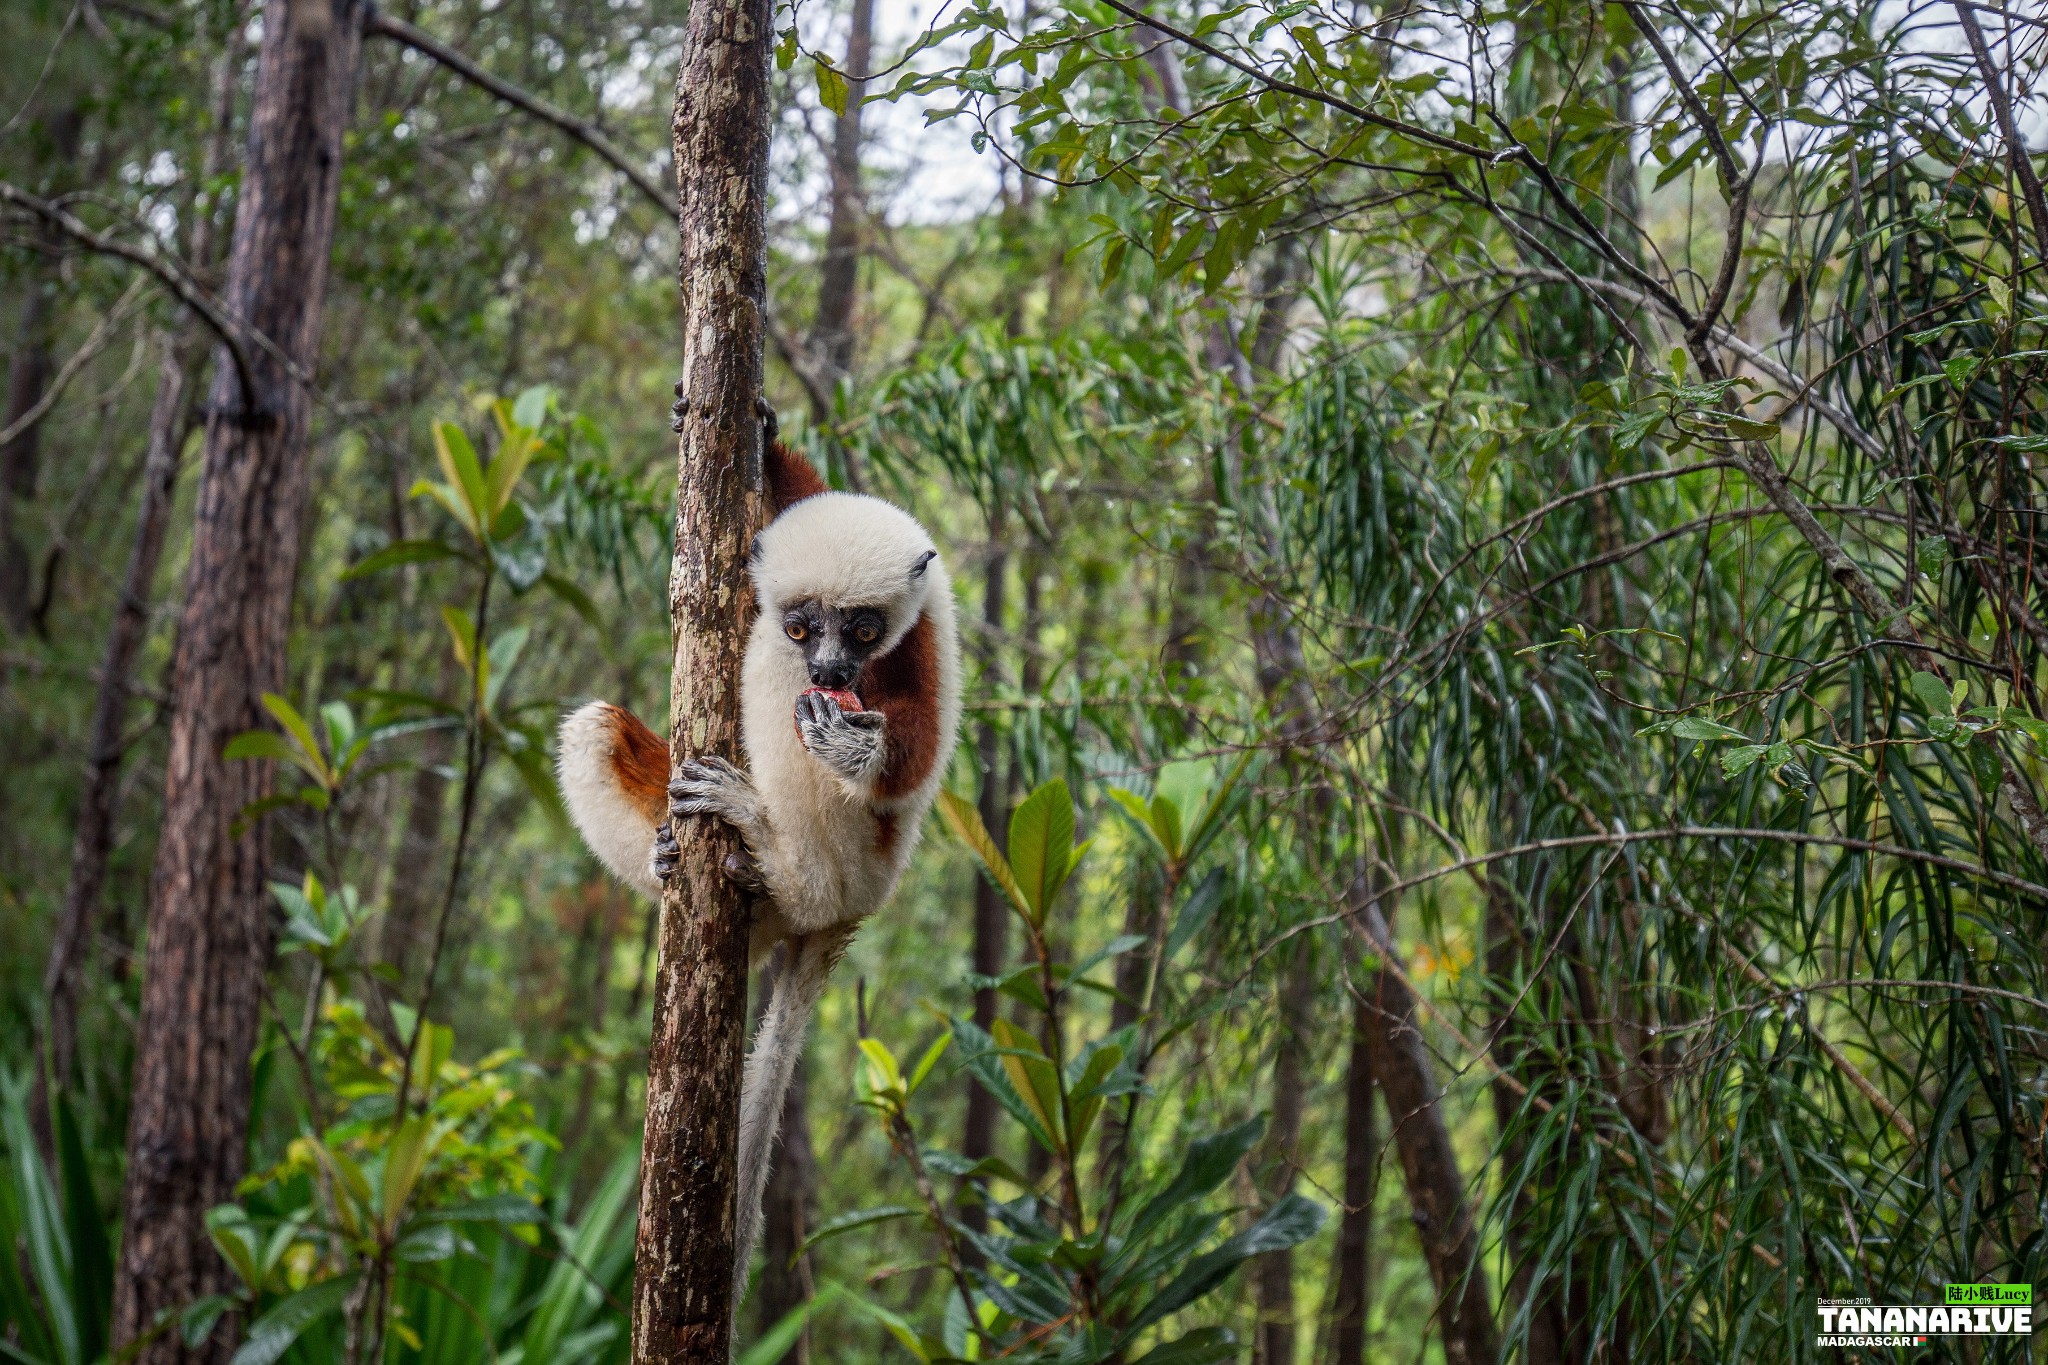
x=853 y=744
x=740 y=868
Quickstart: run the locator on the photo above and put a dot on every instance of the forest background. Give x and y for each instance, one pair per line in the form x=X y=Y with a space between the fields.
x=1507 y=596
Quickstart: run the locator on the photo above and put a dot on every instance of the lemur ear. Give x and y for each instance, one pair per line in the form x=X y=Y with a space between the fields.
x=917 y=569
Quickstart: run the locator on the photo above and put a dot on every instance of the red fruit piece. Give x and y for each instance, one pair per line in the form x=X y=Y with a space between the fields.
x=848 y=701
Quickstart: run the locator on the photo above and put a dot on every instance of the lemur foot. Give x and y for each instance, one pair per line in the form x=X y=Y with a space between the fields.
x=740 y=868
x=678 y=409
x=771 y=425
x=667 y=853
x=712 y=786
x=742 y=871
x=848 y=742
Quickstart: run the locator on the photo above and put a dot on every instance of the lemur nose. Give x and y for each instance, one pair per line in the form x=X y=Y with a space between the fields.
x=833 y=675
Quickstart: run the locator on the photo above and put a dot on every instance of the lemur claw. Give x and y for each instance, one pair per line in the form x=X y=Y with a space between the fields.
x=667 y=853
x=771 y=425
x=742 y=871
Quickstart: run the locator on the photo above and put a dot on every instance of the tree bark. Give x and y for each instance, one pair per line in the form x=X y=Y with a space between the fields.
x=28 y=378
x=1361 y=1189
x=991 y=912
x=209 y=919
x=1429 y=1164
x=832 y=337
x=1273 y=1282
x=171 y=417
x=682 y=1293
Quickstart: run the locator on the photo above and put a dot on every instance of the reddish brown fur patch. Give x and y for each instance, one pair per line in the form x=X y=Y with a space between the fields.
x=790 y=477
x=904 y=686
x=885 y=833
x=639 y=761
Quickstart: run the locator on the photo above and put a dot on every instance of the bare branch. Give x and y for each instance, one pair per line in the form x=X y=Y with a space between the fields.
x=589 y=134
x=172 y=272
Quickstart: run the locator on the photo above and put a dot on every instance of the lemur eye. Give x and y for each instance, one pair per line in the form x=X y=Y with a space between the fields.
x=794 y=630
x=866 y=632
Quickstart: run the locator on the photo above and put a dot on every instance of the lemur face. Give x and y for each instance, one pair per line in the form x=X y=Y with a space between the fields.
x=835 y=641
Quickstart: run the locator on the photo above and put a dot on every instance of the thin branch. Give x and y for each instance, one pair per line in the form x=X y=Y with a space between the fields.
x=2008 y=128
x=92 y=346
x=589 y=134
x=173 y=273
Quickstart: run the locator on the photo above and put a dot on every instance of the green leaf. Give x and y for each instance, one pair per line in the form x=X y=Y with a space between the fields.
x=1288 y=1223
x=1931 y=553
x=501 y=480
x=1196 y=912
x=578 y=600
x=776 y=1342
x=1031 y=1072
x=465 y=476
x=404 y=1162
x=262 y=744
x=196 y=1319
x=1042 y=844
x=530 y=409
x=1933 y=694
x=1133 y=805
x=295 y=725
x=1699 y=727
x=92 y=1255
x=963 y=817
x=857 y=1219
x=271 y=1335
x=400 y=552
x=930 y=1059
x=1742 y=428
x=1203 y=1346
x=831 y=87
x=1741 y=758
x=1209 y=1162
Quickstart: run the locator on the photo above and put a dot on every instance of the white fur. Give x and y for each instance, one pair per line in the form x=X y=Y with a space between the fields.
x=616 y=828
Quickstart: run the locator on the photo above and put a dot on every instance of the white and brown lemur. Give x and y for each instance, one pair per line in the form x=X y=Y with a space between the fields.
x=852 y=597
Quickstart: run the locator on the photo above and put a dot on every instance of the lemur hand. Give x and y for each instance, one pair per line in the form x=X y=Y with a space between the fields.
x=712 y=786
x=850 y=743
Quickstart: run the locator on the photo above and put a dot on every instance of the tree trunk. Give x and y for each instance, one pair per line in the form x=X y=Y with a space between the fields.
x=170 y=423
x=1361 y=1189
x=1273 y=1273
x=28 y=378
x=682 y=1293
x=991 y=911
x=838 y=282
x=209 y=919
x=93 y=841
x=786 y=1214
x=1429 y=1164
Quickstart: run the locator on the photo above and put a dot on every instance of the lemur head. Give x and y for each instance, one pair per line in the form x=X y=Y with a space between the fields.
x=844 y=578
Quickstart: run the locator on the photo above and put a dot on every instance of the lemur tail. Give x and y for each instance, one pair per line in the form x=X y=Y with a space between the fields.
x=778 y=1043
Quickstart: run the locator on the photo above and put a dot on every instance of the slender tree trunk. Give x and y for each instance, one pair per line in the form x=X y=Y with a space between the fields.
x=1352 y=1307
x=1429 y=1164
x=93 y=841
x=786 y=1213
x=1273 y=1282
x=991 y=912
x=28 y=378
x=415 y=893
x=170 y=423
x=682 y=1293
x=838 y=283
x=209 y=919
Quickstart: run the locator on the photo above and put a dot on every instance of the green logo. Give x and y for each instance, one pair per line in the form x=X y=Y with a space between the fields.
x=2004 y=1295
